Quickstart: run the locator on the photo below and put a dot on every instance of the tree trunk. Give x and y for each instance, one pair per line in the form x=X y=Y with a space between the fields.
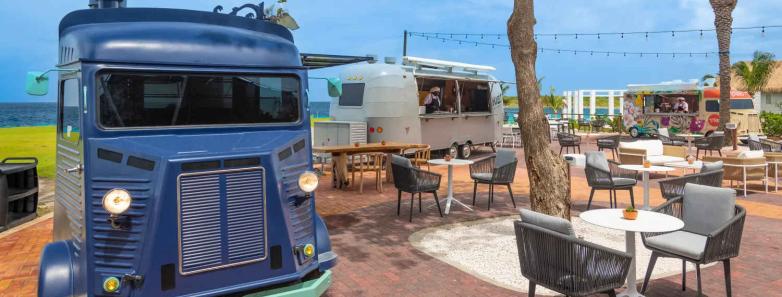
x=547 y=172
x=723 y=21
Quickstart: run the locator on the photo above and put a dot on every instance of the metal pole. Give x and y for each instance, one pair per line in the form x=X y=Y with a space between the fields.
x=404 y=46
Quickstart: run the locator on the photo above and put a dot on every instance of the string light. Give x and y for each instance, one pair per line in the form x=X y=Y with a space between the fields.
x=601 y=34
x=559 y=50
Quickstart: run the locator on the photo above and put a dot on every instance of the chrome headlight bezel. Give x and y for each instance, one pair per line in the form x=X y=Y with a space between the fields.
x=308 y=181
x=117 y=201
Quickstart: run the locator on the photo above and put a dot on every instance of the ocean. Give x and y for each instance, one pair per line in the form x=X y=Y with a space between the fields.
x=27 y=114
x=44 y=114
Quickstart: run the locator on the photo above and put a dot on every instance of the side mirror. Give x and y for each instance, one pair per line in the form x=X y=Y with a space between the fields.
x=37 y=83
x=335 y=86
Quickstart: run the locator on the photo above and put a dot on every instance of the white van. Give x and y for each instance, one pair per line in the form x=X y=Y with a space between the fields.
x=390 y=99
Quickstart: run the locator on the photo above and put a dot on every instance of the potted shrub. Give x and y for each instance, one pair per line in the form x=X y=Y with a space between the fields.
x=630 y=213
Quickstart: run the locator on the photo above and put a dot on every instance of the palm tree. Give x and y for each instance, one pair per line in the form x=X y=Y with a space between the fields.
x=547 y=172
x=555 y=102
x=755 y=74
x=723 y=20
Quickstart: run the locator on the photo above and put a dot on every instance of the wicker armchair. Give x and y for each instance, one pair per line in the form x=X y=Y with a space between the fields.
x=764 y=145
x=564 y=263
x=673 y=187
x=567 y=140
x=713 y=225
x=710 y=144
x=597 y=124
x=497 y=170
x=610 y=143
x=414 y=181
x=583 y=124
x=603 y=174
x=664 y=136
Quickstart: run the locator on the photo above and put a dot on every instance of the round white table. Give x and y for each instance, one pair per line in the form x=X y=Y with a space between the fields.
x=647 y=221
x=451 y=163
x=689 y=138
x=695 y=166
x=645 y=172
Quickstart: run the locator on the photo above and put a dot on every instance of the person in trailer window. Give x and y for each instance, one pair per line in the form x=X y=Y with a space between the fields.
x=681 y=106
x=433 y=101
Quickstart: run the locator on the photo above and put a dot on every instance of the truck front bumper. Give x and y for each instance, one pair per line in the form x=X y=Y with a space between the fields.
x=311 y=288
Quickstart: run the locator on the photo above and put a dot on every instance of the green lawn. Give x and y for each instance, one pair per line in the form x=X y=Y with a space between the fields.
x=36 y=142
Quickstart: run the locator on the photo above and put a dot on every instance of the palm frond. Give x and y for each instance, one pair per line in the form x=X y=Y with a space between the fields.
x=755 y=74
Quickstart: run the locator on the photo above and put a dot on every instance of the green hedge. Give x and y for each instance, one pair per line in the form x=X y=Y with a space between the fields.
x=772 y=123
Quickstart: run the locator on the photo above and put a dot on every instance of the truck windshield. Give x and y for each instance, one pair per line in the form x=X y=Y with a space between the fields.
x=154 y=100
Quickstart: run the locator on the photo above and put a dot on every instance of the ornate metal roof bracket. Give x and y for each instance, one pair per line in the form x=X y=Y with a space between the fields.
x=256 y=14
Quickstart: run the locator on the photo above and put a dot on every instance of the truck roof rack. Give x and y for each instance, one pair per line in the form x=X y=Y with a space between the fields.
x=444 y=65
x=317 y=61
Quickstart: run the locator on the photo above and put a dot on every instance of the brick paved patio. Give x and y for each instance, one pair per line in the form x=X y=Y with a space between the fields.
x=376 y=258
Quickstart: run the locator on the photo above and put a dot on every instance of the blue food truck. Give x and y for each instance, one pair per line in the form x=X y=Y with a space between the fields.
x=183 y=157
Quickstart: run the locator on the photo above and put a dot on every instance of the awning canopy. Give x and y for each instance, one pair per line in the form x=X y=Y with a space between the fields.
x=316 y=61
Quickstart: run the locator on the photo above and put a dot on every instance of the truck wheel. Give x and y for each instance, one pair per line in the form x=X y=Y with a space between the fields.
x=453 y=150
x=465 y=150
x=634 y=132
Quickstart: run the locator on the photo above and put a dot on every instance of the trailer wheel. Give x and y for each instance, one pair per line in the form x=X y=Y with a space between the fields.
x=465 y=150
x=634 y=132
x=453 y=150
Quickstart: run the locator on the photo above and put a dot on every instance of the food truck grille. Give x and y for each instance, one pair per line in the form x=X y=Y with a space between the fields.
x=117 y=250
x=222 y=219
x=302 y=227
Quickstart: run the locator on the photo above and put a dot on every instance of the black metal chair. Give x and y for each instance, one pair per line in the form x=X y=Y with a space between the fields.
x=603 y=174
x=713 y=225
x=552 y=256
x=764 y=145
x=567 y=140
x=610 y=143
x=673 y=187
x=496 y=170
x=414 y=181
x=710 y=144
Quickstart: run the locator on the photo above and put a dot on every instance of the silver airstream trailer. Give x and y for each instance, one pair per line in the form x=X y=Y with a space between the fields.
x=389 y=98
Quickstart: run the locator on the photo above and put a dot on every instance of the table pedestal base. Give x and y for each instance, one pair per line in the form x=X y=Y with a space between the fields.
x=631 y=291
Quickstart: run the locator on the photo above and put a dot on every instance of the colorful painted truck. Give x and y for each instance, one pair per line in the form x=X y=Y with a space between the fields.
x=183 y=157
x=650 y=107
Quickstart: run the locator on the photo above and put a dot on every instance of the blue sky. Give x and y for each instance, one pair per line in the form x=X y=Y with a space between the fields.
x=375 y=27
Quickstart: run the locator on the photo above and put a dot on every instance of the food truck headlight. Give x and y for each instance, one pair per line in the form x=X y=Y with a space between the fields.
x=111 y=284
x=308 y=181
x=117 y=201
x=309 y=250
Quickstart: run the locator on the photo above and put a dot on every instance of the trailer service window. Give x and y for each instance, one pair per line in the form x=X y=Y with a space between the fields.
x=352 y=95
x=147 y=100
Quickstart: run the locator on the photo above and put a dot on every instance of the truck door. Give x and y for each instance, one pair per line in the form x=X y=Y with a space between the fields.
x=69 y=203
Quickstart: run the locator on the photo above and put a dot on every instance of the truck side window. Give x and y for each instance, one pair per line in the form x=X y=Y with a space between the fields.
x=352 y=95
x=712 y=105
x=69 y=110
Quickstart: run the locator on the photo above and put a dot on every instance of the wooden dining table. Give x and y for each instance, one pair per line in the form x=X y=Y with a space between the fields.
x=340 y=153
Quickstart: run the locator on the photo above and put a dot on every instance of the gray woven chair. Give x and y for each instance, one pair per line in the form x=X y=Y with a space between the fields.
x=673 y=187
x=713 y=225
x=584 y=124
x=496 y=170
x=610 y=143
x=552 y=256
x=710 y=144
x=603 y=174
x=597 y=124
x=414 y=181
x=764 y=145
x=567 y=140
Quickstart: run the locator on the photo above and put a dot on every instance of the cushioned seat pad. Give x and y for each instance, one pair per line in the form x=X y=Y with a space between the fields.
x=681 y=243
x=621 y=181
x=662 y=159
